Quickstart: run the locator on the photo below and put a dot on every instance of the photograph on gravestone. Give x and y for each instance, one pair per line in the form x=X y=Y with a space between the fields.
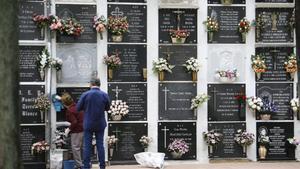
x=84 y=14
x=177 y=19
x=227 y=148
x=274 y=1
x=220 y=1
x=128 y=144
x=274 y=59
x=135 y=95
x=75 y=92
x=133 y=63
x=137 y=20
x=129 y=1
x=228 y=18
x=171 y=131
x=226 y=102
x=28 y=136
x=28 y=70
x=27 y=28
x=175 y=101
x=177 y=55
x=27 y=95
x=278 y=147
x=79 y=62
x=280 y=94
x=275 y=25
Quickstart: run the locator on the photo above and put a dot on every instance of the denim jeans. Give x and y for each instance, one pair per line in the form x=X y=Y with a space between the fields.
x=88 y=148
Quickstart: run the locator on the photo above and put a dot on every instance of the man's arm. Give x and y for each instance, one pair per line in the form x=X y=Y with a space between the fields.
x=80 y=103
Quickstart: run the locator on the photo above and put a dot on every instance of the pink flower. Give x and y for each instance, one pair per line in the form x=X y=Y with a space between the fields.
x=100 y=28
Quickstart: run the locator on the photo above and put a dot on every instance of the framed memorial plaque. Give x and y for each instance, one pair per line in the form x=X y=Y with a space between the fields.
x=224 y=104
x=170 y=131
x=274 y=59
x=177 y=55
x=128 y=144
x=135 y=95
x=177 y=19
x=27 y=28
x=128 y=1
x=27 y=63
x=134 y=63
x=278 y=133
x=175 y=101
x=219 y=1
x=137 y=20
x=228 y=148
x=27 y=95
x=274 y=1
x=80 y=62
x=228 y=18
x=84 y=14
x=280 y=94
x=276 y=28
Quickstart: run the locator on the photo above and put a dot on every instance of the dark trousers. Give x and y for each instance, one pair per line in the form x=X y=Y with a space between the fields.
x=88 y=148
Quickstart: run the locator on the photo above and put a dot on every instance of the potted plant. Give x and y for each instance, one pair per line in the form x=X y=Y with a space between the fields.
x=161 y=66
x=255 y=104
x=100 y=25
x=145 y=141
x=179 y=36
x=57 y=63
x=118 y=109
x=226 y=76
x=263 y=142
x=267 y=108
x=177 y=148
x=111 y=142
x=42 y=103
x=117 y=27
x=198 y=101
x=192 y=66
x=226 y=2
x=43 y=62
x=212 y=139
x=112 y=62
x=244 y=28
x=212 y=26
x=290 y=65
x=41 y=22
x=294 y=103
x=258 y=65
x=244 y=139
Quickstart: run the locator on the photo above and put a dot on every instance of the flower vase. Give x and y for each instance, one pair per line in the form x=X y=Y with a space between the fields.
x=244 y=149
x=298 y=115
x=117 y=38
x=116 y=117
x=194 y=76
x=265 y=116
x=195 y=112
x=210 y=36
x=42 y=113
x=42 y=34
x=161 y=75
x=244 y=36
x=176 y=155
x=111 y=152
x=42 y=75
x=262 y=151
x=145 y=149
x=101 y=35
x=226 y=2
x=58 y=76
x=258 y=75
x=110 y=74
x=211 y=149
x=292 y=75
x=145 y=74
x=178 y=40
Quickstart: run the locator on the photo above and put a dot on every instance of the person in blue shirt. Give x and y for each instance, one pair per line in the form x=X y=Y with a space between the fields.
x=93 y=103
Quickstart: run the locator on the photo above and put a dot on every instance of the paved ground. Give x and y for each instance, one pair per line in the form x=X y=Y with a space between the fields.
x=227 y=165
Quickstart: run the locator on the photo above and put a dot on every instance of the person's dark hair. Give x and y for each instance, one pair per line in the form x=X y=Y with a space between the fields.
x=95 y=82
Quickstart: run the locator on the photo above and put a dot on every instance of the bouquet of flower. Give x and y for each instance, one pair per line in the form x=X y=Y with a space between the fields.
x=100 y=24
x=145 y=141
x=43 y=60
x=162 y=65
x=293 y=141
x=212 y=138
x=40 y=147
x=258 y=64
x=291 y=64
x=192 y=65
x=117 y=26
x=228 y=74
x=59 y=140
x=178 y=146
x=254 y=103
x=244 y=26
x=111 y=141
x=56 y=63
x=199 y=100
x=295 y=104
x=72 y=27
x=244 y=138
x=118 y=107
x=55 y=23
x=264 y=140
x=40 y=20
x=42 y=103
x=212 y=24
x=241 y=98
x=112 y=61
x=268 y=106
x=178 y=34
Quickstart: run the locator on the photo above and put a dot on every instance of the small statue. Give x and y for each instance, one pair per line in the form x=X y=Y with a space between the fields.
x=274 y=18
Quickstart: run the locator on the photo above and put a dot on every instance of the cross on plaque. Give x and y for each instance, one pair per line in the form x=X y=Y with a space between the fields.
x=166 y=94
x=215 y=97
x=168 y=54
x=178 y=12
x=274 y=59
x=117 y=13
x=165 y=135
x=117 y=91
x=116 y=133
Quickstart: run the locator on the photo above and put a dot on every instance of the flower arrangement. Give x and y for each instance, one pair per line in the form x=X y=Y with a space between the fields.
x=264 y=140
x=117 y=26
x=40 y=20
x=258 y=64
x=112 y=61
x=227 y=75
x=192 y=65
x=42 y=103
x=241 y=98
x=244 y=138
x=199 y=100
x=178 y=146
x=100 y=25
x=293 y=141
x=212 y=138
x=244 y=26
x=145 y=141
x=259 y=24
x=290 y=64
x=55 y=23
x=43 y=62
x=111 y=141
x=72 y=27
x=59 y=140
x=179 y=36
x=162 y=65
x=56 y=63
x=268 y=107
x=254 y=103
x=118 y=107
x=212 y=24
x=40 y=147
x=295 y=105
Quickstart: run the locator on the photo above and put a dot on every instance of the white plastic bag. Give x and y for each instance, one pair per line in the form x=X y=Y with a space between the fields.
x=149 y=159
x=56 y=159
